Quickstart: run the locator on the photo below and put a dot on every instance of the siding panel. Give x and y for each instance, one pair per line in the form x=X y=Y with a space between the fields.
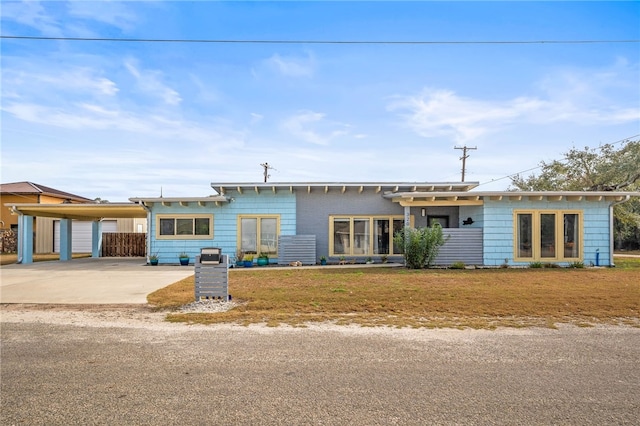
x=464 y=245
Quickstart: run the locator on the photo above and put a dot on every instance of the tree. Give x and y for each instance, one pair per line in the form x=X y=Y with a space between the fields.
x=602 y=169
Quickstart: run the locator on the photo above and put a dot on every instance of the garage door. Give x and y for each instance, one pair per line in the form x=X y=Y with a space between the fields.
x=81 y=235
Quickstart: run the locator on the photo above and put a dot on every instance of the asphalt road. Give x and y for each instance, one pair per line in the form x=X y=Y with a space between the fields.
x=191 y=375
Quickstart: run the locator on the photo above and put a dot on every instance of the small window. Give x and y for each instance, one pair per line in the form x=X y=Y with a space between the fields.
x=184 y=227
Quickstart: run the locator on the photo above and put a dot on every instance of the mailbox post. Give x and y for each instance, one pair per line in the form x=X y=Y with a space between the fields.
x=212 y=275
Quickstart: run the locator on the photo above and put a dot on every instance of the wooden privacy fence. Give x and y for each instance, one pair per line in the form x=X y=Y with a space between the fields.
x=124 y=244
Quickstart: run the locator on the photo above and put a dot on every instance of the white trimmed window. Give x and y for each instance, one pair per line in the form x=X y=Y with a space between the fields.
x=259 y=234
x=363 y=235
x=548 y=235
x=184 y=227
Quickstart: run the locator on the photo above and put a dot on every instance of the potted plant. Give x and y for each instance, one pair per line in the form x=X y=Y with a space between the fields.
x=184 y=258
x=247 y=260
x=369 y=260
x=239 y=257
x=153 y=259
x=323 y=260
x=263 y=259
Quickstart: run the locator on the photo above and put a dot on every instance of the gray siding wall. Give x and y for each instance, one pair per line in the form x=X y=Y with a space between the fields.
x=451 y=212
x=313 y=211
x=463 y=245
x=297 y=248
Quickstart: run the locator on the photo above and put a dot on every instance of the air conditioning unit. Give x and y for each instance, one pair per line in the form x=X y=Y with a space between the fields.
x=210 y=255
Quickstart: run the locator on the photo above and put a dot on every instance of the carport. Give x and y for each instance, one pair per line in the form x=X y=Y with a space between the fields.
x=67 y=213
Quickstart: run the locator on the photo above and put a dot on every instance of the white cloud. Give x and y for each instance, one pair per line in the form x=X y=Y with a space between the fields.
x=79 y=19
x=312 y=127
x=256 y=118
x=32 y=14
x=116 y=14
x=150 y=83
x=569 y=96
x=78 y=80
x=87 y=117
x=292 y=66
x=434 y=113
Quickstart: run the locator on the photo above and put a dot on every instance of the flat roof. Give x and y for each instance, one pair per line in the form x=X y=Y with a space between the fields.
x=224 y=187
x=165 y=200
x=419 y=198
x=95 y=211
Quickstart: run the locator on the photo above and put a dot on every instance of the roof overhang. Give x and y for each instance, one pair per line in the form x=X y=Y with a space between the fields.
x=181 y=201
x=81 y=211
x=342 y=187
x=418 y=198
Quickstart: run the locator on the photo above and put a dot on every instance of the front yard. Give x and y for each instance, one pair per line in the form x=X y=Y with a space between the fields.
x=423 y=298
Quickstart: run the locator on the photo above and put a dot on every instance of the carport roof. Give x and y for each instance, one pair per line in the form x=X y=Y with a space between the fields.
x=81 y=211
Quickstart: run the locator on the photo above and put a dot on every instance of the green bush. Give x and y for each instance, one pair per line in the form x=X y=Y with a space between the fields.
x=420 y=246
x=457 y=265
x=536 y=265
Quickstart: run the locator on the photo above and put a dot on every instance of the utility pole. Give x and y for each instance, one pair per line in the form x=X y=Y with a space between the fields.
x=464 y=157
x=266 y=168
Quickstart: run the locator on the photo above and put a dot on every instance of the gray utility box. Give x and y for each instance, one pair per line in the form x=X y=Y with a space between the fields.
x=212 y=279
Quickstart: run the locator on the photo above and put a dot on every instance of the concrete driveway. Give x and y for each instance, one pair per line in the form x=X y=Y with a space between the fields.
x=86 y=281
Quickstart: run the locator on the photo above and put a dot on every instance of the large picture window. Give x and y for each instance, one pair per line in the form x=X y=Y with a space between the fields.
x=363 y=235
x=548 y=235
x=184 y=226
x=259 y=234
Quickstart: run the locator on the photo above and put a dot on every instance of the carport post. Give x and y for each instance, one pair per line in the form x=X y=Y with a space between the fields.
x=25 y=239
x=65 y=239
x=96 y=238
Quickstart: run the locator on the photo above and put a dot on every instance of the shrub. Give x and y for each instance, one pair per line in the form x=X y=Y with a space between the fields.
x=536 y=265
x=457 y=265
x=420 y=246
x=576 y=264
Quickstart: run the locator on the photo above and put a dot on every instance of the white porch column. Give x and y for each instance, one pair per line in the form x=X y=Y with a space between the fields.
x=65 y=239
x=25 y=239
x=407 y=223
x=96 y=238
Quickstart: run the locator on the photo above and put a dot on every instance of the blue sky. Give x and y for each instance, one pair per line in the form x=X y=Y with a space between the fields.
x=116 y=120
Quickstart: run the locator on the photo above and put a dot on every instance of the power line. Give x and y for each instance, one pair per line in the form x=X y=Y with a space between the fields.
x=232 y=41
x=627 y=139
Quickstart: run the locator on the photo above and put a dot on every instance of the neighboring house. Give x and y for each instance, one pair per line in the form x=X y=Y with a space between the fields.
x=29 y=192
x=47 y=229
x=304 y=221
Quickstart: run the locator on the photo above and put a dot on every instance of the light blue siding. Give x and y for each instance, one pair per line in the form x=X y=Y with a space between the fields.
x=225 y=222
x=498 y=228
x=474 y=212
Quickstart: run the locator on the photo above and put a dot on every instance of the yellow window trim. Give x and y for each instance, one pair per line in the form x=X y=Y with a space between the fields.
x=559 y=236
x=371 y=219
x=184 y=216
x=257 y=217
